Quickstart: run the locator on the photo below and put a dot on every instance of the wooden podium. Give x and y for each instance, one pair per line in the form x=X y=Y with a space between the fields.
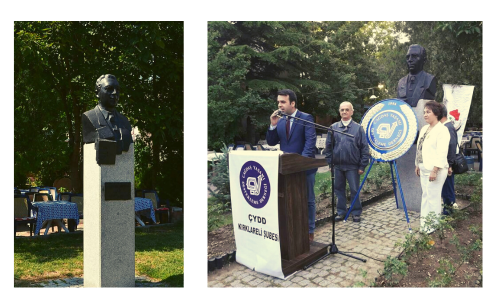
x=296 y=252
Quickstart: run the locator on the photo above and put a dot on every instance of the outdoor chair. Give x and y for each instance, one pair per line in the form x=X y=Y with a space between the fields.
x=320 y=145
x=480 y=154
x=52 y=191
x=78 y=199
x=259 y=147
x=30 y=195
x=230 y=147
x=64 y=196
x=22 y=213
x=160 y=209
x=248 y=146
x=42 y=197
x=43 y=191
x=471 y=147
x=240 y=147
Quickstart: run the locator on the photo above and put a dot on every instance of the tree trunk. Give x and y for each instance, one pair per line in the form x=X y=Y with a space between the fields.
x=76 y=179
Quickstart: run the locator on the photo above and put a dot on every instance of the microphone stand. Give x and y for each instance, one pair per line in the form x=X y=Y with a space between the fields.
x=333 y=247
x=280 y=113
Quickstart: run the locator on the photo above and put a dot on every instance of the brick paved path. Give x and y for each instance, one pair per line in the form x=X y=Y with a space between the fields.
x=77 y=282
x=382 y=224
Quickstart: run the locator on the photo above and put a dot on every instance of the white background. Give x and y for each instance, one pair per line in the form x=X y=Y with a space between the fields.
x=196 y=14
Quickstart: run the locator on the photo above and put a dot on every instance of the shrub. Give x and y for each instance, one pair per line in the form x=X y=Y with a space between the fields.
x=215 y=212
x=476 y=199
x=219 y=177
x=325 y=187
x=446 y=271
x=394 y=270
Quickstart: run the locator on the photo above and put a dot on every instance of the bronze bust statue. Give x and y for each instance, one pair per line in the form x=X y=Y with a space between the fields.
x=103 y=125
x=418 y=84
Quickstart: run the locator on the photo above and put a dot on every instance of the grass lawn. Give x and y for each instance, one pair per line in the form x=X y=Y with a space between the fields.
x=159 y=255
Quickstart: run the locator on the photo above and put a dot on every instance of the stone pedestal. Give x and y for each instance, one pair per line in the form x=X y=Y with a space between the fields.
x=109 y=233
x=410 y=182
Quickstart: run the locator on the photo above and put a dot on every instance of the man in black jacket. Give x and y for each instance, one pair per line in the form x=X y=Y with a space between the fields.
x=448 y=192
x=349 y=159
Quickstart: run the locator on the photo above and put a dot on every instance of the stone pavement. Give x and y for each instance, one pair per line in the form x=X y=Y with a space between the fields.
x=77 y=282
x=382 y=224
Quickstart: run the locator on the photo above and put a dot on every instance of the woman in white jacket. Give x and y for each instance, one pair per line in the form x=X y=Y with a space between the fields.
x=431 y=163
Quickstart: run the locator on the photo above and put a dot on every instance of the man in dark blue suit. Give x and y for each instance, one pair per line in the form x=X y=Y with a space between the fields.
x=298 y=137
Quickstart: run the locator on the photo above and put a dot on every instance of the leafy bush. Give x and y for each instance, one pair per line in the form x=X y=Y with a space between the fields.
x=219 y=177
x=379 y=174
x=415 y=243
x=471 y=178
x=476 y=199
x=445 y=272
x=215 y=212
x=442 y=226
x=394 y=270
x=325 y=187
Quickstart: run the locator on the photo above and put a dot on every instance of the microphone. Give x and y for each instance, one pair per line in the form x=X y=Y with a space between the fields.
x=281 y=114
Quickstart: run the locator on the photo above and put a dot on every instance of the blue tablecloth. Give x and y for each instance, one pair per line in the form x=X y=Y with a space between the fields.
x=145 y=204
x=51 y=210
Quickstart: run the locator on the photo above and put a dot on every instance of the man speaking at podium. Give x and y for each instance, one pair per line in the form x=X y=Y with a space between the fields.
x=295 y=137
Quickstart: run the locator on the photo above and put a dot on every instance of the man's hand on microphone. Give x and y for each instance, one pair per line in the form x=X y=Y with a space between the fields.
x=274 y=118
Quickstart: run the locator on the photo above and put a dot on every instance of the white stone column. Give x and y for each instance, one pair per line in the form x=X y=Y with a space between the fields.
x=109 y=232
x=410 y=182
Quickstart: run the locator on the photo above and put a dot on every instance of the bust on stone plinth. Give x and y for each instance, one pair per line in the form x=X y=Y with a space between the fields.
x=104 y=125
x=109 y=236
x=416 y=89
x=418 y=84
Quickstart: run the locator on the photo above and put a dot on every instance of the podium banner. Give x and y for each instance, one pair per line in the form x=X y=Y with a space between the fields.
x=253 y=179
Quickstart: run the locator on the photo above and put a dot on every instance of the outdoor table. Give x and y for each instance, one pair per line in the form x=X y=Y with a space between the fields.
x=141 y=206
x=55 y=210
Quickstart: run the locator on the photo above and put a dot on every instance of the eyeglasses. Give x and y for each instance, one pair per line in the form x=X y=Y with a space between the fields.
x=345 y=109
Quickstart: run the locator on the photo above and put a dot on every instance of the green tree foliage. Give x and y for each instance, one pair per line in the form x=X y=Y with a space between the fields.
x=56 y=66
x=325 y=63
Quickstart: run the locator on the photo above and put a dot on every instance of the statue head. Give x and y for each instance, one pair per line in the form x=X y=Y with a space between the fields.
x=107 y=90
x=416 y=58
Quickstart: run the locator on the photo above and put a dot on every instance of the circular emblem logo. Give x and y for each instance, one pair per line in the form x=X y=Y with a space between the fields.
x=254 y=184
x=391 y=128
